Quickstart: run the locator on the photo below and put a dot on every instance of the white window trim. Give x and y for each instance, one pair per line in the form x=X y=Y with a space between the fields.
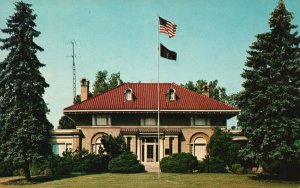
x=194 y=119
x=172 y=94
x=146 y=120
x=128 y=94
x=96 y=119
x=97 y=145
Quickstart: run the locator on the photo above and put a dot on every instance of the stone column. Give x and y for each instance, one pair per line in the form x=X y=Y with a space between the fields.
x=175 y=144
x=138 y=151
x=133 y=145
x=167 y=142
x=161 y=148
x=75 y=143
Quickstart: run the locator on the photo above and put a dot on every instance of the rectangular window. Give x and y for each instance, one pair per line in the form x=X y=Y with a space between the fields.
x=54 y=148
x=200 y=121
x=148 y=121
x=128 y=143
x=69 y=147
x=143 y=153
x=58 y=149
x=150 y=151
x=171 y=143
x=101 y=120
x=167 y=151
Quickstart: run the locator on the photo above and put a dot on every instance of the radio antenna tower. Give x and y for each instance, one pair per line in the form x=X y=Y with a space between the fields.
x=74 y=72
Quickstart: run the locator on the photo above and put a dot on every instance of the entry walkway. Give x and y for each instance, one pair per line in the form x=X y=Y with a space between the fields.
x=151 y=167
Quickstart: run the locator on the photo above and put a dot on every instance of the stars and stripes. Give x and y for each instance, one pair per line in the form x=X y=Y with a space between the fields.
x=167 y=27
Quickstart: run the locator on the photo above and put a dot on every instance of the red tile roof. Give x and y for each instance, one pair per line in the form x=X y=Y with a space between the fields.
x=145 y=99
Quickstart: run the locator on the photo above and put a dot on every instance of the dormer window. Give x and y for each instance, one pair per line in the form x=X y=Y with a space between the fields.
x=172 y=94
x=128 y=94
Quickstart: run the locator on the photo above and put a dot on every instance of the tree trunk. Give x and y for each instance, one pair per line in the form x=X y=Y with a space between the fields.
x=27 y=171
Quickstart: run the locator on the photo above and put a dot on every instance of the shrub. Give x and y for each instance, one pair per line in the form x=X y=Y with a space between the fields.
x=211 y=164
x=125 y=163
x=179 y=163
x=56 y=165
x=6 y=169
x=77 y=161
x=91 y=163
x=83 y=161
x=288 y=170
x=18 y=172
x=35 y=168
x=97 y=163
x=237 y=169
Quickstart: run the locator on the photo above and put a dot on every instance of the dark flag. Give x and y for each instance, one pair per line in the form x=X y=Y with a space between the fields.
x=167 y=27
x=166 y=53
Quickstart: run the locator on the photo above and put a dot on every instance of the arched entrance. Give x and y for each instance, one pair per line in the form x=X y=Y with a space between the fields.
x=198 y=145
x=96 y=144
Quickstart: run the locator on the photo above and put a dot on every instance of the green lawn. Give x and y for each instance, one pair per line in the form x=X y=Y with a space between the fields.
x=165 y=180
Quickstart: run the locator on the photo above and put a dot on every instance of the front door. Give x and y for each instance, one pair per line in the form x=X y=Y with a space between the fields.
x=150 y=153
x=200 y=151
x=149 y=150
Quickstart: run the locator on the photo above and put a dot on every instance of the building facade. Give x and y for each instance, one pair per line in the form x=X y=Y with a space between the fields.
x=186 y=119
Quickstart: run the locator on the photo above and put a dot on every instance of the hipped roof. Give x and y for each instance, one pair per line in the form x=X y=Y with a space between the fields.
x=145 y=99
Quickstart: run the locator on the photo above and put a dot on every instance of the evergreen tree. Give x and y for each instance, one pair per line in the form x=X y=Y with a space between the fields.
x=222 y=146
x=66 y=123
x=24 y=128
x=270 y=102
x=113 y=146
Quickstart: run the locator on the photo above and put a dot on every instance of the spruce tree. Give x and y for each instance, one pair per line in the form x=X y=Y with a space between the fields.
x=270 y=102
x=24 y=128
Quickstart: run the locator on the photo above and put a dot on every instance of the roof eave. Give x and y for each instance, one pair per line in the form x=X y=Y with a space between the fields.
x=153 y=111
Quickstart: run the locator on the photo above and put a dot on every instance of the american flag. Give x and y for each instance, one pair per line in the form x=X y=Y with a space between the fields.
x=167 y=27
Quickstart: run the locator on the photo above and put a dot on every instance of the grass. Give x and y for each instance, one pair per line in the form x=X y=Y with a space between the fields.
x=151 y=180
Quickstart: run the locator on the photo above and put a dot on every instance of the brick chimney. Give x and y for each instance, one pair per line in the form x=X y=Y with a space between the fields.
x=206 y=90
x=84 y=89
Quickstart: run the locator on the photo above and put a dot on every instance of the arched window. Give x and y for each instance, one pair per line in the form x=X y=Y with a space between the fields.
x=198 y=145
x=97 y=146
x=128 y=94
x=172 y=94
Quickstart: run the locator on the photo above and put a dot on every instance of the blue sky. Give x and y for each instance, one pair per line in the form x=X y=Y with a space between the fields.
x=122 y=35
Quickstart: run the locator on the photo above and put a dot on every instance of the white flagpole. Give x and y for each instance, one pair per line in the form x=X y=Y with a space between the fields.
x=158 y=101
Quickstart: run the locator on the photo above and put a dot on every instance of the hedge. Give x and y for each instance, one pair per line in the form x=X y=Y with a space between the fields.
x=125 y=163
x=179 y=163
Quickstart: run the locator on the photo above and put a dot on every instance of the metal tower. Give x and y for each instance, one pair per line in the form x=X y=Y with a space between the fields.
x=74 y=72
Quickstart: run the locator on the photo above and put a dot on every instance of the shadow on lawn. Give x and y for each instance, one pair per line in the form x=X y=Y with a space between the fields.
x=276 y=178
x=38 y=179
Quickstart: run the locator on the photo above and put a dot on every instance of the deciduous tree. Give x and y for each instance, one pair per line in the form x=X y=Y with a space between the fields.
x=215 y=91
x=103 y=83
